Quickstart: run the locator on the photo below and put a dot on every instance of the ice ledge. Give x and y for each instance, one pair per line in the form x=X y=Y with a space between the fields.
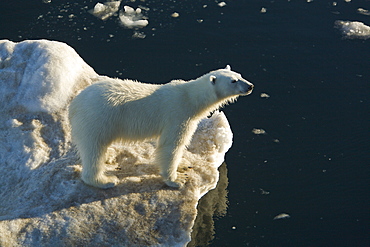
x=44 y=203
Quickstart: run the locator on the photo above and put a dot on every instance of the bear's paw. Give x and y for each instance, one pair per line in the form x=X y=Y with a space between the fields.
x=179 y=182
x=173 y=184
x=102 y=182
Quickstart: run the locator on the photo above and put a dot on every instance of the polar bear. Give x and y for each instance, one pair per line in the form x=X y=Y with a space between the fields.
x=128 y=110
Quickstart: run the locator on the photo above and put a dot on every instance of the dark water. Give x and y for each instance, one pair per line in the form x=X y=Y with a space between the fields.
x=313 y=163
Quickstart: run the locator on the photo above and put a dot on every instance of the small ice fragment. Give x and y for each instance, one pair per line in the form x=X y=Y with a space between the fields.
x=234 y=227
x=263 y=10
x=259 y=131
x=353 y=29
x=106 y=10
x=199 y=20
x=175 y=15
x=138 y=35
x=264 y=95
x=129 y=23
x=131 y=18
x=363 y=11
x=281 y=216
x=264 y=192
x=221 y=4
x=129 y=10
x=99 y=7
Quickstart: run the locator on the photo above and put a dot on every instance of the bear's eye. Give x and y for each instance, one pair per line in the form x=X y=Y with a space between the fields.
x=233 y=81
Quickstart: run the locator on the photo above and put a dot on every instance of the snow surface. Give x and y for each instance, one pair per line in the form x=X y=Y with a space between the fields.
x=44 y=202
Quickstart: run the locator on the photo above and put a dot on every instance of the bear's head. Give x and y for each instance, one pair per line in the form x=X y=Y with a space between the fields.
x=228 y=83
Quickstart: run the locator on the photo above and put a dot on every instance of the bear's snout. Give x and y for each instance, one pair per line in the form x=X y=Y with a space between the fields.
x=246 y=88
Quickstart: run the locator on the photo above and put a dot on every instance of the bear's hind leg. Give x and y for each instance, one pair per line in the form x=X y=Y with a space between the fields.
x=93 y=168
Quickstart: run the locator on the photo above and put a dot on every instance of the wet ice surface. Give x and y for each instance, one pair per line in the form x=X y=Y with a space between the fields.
x=353 y=29
x=44 y=202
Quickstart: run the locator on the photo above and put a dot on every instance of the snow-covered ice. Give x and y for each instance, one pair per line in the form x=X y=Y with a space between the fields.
x=33 y=75
x=353 y=29
x=44 y=202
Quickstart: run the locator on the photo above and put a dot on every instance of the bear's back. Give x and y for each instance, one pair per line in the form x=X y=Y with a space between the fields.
x=118 y=92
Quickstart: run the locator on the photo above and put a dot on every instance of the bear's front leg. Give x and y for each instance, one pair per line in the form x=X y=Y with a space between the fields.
x=168 y=157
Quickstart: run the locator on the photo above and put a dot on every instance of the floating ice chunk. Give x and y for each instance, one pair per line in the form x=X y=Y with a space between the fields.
x=129 y=10
x=132 y=18
x=282 y=216
x=106 y=10
x=259 y=131
x=175 y=15
x=99 y=7
x=353 y=29
x=264 y=192
x=221 y=4
x=363 y=11
x=138 y=35
x=263 y=10
x=264 y=95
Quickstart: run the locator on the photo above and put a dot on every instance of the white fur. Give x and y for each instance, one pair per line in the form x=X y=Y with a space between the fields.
x=131 y=111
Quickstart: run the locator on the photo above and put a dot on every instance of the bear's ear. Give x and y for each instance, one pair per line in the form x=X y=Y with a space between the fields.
x=228 y=67
x=212 y=79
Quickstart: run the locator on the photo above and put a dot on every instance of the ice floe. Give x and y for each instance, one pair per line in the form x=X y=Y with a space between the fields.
x=44 y=202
